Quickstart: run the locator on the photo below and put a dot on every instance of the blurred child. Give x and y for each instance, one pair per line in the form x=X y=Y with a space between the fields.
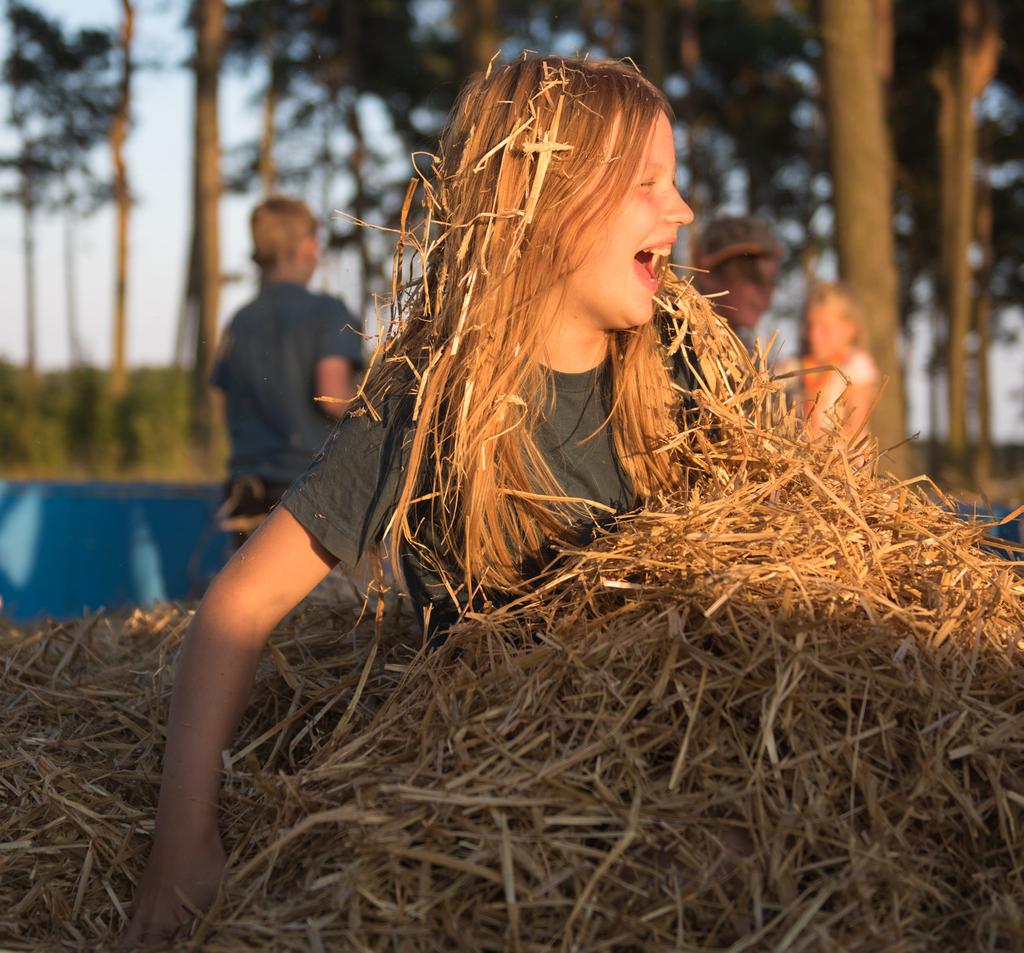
x=520 y=398
x=840 y=378
x=282 y=350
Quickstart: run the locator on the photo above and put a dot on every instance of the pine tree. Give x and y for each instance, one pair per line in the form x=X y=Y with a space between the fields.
x=60 y=106
x=205 y=278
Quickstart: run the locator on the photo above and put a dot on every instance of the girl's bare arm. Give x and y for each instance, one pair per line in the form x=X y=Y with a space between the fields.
x=278 y=565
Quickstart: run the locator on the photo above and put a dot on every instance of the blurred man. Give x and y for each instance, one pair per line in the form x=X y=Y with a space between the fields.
x=278 y=353
x=741 y=256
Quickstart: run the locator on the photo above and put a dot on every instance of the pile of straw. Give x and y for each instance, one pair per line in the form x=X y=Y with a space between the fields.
x=782 y=710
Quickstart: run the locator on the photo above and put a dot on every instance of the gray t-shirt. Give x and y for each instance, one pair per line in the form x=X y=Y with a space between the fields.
x=346 y=498
x=266 y=367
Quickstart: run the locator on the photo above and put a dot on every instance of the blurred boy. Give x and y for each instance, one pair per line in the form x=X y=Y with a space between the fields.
x=739 y=255
x=278 y=353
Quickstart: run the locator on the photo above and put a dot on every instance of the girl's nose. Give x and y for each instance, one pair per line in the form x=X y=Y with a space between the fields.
x=680 y=213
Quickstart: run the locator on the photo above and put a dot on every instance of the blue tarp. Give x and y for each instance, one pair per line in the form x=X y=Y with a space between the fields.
x=1012 y=531
x=66 y=548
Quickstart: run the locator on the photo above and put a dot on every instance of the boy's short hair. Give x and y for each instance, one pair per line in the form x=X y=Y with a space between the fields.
x=278 y=224
x=734 y=244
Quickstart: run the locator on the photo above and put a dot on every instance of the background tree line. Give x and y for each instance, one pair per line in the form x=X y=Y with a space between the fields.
x=883 y=137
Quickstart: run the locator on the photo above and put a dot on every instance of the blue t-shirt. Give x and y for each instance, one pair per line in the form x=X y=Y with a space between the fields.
x=266 y=367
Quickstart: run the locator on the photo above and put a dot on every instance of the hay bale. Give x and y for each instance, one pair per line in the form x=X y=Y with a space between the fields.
x=83 y=707
x=779 y=710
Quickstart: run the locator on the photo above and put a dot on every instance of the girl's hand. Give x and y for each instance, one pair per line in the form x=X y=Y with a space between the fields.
x=194 y=870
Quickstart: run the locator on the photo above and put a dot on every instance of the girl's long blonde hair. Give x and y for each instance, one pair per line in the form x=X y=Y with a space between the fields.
x=534 y=159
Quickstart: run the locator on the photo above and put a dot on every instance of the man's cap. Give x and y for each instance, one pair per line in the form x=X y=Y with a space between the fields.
x=729 y=237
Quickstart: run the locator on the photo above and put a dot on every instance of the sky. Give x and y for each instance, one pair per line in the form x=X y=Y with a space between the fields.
x=159 y=153
x=159 y=161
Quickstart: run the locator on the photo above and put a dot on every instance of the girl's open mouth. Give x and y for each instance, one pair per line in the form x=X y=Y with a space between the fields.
x=644 y=265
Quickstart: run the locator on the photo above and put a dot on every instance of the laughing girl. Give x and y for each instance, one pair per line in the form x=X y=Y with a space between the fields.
x=518 y=400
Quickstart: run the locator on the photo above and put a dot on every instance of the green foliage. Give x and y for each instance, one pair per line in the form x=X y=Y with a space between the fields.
x=90 y=433
x=32 y=431
x=66 y=424
x=153 y=421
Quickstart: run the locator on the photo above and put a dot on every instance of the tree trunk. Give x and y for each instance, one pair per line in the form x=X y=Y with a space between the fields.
x=654 y=32
x=944 y=80
x=817 y=164
x=883 y=40
x=328 y=125
x=983 y=325
x=122 y=199
x=477 y=22
x=585 y=18
x=70 y=285
x=863 y=184
x=184 y=338
x=357 y=163
x=28 y=245
x=206 y=221
x=755 y=185
x=689 y=57
x=358 y=157
x=613 y=15
x=959 y=227
x=268 y=135
x=977 y=56
x=935 y=391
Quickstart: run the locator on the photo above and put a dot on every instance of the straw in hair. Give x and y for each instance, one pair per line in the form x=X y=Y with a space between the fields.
x=537 y=154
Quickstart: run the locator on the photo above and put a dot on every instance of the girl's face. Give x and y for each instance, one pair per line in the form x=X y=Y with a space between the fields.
x=830 y=334
x=614 y=286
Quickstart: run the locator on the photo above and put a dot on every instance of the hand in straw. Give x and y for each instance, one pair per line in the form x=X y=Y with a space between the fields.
x=179 y=880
